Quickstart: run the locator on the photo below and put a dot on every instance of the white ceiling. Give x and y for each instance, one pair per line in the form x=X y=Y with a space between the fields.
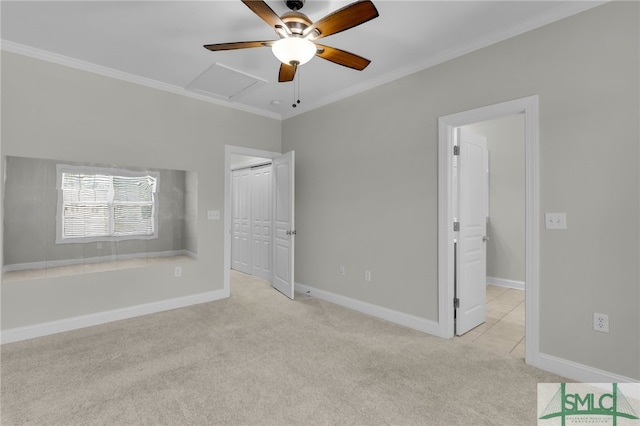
x=159 y=43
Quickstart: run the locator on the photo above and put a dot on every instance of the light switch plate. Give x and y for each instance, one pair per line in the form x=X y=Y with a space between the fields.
x=213 y=214
x=555 y=220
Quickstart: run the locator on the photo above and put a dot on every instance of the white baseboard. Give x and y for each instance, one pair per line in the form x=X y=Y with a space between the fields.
x=565 y=368
x=502 y=282
x=75 y=323
x=562 y=367
x=579 y=372
x=401 y=318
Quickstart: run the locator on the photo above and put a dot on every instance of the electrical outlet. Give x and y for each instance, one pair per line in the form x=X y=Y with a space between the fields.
x=342 y=270
x=555 y=221
x=601 y=322
x=177 y=272
x=367 y=276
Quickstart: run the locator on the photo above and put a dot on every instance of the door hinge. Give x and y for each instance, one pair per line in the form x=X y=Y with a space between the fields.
x=291 y=232
x=456 y=226
x=456 y=302
x=456 y=150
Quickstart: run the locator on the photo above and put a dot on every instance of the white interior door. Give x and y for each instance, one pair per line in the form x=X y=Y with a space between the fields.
x=261 y=212
x=284 y=225
x=241 y=210
x=471 y=276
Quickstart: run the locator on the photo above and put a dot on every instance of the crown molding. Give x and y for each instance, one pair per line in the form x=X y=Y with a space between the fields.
x=21 y=49
x=561 y=12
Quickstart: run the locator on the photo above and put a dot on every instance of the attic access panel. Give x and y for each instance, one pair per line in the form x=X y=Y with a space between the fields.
x=224 y=82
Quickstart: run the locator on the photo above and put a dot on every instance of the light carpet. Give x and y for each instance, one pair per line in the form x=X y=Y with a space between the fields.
x=259 y=358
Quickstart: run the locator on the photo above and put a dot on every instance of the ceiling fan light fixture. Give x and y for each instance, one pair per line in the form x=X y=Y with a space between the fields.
x=294 y=50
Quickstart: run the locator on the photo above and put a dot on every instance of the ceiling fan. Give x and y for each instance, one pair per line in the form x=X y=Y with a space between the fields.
x=298 y=33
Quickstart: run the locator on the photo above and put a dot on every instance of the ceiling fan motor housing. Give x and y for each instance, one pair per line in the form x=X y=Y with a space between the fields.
x=294 y=4
x=297 y=22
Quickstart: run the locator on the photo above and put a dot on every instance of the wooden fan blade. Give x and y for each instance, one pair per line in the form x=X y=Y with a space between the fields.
x=287 y=73
x=342 y=57
x=343 y=19
x=237 y=45
x=265 y=13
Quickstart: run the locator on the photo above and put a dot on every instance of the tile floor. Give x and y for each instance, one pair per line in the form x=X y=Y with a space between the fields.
x=504 y=329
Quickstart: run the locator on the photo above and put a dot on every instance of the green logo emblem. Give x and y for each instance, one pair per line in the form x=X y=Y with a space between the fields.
x=589 y=406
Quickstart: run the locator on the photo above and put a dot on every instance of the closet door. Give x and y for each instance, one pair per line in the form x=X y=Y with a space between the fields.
x=261 y=221
x=241 y=214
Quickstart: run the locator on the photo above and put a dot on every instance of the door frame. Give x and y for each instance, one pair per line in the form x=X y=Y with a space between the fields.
x=446 y=128
x=230 y=150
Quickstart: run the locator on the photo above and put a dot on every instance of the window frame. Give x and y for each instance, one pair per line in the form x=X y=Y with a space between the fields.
x=108 y=171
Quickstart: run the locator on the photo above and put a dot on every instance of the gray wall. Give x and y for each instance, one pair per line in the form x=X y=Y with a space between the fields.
x=506 y=226
x=30 y=211
x=51 y=111
x=366 y=182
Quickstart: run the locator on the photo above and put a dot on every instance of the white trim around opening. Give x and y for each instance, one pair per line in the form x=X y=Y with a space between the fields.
x=446 y=128
x=230 y=150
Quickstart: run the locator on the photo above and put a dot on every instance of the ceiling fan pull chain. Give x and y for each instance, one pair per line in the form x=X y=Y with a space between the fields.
x=296 y=89
x=294 y=95
x=299 y=77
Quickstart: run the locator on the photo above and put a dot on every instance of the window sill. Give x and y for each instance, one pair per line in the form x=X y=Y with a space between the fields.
x=89 y=268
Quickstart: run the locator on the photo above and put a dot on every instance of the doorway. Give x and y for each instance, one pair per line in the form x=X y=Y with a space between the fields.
x=251 y=223
x=502 y=212
x=448 y=126
x=282 y=232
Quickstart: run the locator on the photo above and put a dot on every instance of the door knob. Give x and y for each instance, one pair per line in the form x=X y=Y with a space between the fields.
x=485 y=238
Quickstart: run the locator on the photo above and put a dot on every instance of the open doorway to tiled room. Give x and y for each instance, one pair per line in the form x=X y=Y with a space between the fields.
x=504 y=329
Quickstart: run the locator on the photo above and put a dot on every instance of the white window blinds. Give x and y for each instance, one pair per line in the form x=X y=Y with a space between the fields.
x=98 y=204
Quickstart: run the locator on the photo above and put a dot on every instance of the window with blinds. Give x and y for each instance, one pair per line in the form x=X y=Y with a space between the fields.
x=98 y=204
